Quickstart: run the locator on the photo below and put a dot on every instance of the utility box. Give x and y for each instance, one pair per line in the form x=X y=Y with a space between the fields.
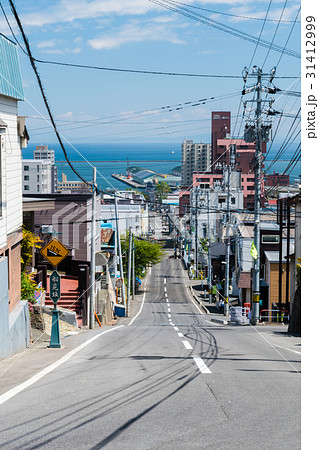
x=119 y=310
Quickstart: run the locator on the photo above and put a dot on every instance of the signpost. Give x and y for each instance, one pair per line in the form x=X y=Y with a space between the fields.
x=55 y=252
x=55 y=295
x=55 y=286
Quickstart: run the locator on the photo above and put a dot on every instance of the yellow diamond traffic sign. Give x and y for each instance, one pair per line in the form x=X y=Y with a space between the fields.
x=54 y=252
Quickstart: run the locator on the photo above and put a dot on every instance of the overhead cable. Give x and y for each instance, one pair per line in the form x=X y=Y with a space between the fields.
x=168 y=4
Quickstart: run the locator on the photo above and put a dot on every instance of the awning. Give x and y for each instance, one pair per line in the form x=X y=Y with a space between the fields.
x=244 y=281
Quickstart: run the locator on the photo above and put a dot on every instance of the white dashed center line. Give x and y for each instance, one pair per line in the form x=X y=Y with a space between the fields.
x=187 y=345
x=201 y=365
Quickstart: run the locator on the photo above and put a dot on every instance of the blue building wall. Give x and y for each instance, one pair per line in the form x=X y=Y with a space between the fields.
x=14 y=327
x=10 y=79
x=4 y=308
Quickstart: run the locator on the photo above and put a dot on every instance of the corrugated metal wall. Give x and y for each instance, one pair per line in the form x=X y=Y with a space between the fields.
x=10 y=75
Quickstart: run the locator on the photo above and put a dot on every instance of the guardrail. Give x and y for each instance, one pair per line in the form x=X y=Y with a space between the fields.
x=274 y=315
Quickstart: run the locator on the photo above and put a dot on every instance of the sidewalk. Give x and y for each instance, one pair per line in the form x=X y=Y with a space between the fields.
x=21 y=366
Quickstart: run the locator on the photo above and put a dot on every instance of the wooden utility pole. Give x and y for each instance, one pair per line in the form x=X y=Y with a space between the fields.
x=92 y=266
x=129 y=271
x=119 y=248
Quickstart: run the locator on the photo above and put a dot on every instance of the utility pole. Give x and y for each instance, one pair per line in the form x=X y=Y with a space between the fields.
x=288 y=253
x=232 y=162
x=92 y=265
x=210 y=278
x=133 y=270
x=226 y=286
x=256 y=270
x=119 y=248
x=280 y=252
x=196 y=231
x=258 y=132
x=115 y=252
x=129 y=270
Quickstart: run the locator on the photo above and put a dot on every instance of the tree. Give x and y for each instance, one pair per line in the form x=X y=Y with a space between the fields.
x=28 y=285
x=147 y=253
x=204 y=244
x=29 y=242
x=162 y=189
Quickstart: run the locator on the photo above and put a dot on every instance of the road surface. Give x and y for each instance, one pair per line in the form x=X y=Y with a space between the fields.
x=168 y=378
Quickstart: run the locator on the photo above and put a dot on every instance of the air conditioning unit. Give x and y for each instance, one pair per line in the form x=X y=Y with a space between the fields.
x=47 y=229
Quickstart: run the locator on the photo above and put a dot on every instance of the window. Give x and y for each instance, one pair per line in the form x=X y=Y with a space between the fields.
x=270 y=239
x=26 y=168
x=26 y=177
x=26 y=188
x=38 y=168
x=38 y=178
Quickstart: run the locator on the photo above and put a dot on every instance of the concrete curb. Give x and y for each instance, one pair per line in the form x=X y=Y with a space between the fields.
x=224 y=321
x=198 y=300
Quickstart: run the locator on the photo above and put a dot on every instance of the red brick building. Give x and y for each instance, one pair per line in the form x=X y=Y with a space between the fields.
x=245 y=154
x=276 y=179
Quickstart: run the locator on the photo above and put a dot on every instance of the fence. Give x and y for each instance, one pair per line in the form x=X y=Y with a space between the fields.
x=274 y=315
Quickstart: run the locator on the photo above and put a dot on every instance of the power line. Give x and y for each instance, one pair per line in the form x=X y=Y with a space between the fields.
x=26 y=43
x=170 y=5
x=275 y=33
x=260 y=33
x=232 y=15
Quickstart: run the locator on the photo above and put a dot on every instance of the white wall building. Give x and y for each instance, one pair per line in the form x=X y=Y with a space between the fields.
x=38 y=176
x=132 y=212
x=43 y=152
x=14 y=314
x=209 y=207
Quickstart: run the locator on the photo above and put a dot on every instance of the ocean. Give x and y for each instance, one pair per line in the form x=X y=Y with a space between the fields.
x=114 y=158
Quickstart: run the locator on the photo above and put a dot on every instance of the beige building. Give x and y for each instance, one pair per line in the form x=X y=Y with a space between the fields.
x=68 y=186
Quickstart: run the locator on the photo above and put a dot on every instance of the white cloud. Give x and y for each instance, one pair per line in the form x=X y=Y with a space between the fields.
x=135 y=33
x=46 y=44
x=71 y=10
x=67 y=115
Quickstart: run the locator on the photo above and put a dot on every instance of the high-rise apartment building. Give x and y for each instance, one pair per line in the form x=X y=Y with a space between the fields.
x=43 y=152
x=40 y=175
x=195 y=158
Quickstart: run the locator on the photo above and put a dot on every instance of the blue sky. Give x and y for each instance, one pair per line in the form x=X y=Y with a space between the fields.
x=141 y=35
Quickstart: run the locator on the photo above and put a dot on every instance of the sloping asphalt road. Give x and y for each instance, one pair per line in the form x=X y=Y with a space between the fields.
x=167 y=379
